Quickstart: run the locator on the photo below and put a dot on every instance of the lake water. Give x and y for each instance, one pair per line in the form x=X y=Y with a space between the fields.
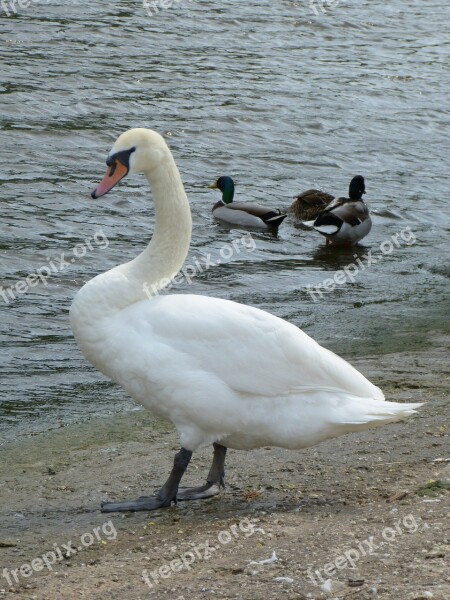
x=269 y=92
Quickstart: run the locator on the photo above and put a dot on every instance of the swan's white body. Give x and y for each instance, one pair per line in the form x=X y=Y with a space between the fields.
x=220 y=371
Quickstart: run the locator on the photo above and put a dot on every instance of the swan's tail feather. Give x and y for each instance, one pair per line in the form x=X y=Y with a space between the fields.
x=377 y=413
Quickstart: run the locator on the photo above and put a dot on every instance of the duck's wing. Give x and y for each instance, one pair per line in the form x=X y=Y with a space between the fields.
x=346 y=221
x=340 y=211
x=335 y=203
x=253 y=209
x=268 y=215
x=350 y=211
x=309 y=204
x=314 y=198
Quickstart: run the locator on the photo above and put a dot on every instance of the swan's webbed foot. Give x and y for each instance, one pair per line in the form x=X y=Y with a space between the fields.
x=170 y=491
x=215 y=480
x=199 y=493
x=166 y=495
x=142 y=503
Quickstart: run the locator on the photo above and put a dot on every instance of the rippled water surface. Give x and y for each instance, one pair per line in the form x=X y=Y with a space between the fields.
x=268 y=92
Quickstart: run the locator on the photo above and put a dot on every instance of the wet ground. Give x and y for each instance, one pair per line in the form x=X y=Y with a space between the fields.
x=374 y=505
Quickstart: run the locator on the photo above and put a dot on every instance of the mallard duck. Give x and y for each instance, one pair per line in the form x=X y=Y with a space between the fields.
x=245 y=214
x=224 y=373
x=308 y=205
x=346 y=220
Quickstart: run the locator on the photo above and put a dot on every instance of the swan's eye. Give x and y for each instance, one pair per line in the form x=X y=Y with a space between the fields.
x=123 y=157
x=113 y=168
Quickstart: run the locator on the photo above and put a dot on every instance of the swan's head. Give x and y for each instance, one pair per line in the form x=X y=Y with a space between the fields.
x=357 y=188
x=226 y=185
x=135 y=151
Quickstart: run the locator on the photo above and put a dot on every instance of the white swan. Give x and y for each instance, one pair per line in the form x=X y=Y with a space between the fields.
x=222 y=372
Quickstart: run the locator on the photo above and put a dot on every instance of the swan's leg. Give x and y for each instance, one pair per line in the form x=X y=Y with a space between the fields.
x=214 y=481
x=164 y=497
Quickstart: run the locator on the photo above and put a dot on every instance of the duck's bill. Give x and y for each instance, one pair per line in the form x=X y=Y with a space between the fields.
x=213 y=186
x=113 y=175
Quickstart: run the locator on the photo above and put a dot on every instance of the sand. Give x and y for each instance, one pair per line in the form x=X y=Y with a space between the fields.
x=362 y=516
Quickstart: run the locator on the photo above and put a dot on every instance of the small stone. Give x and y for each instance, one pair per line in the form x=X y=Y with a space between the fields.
x=283 y=579
x=354 y=582
x=397 y=496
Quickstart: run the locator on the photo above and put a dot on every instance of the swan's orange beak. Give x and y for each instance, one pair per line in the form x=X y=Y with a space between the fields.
x=113 y=175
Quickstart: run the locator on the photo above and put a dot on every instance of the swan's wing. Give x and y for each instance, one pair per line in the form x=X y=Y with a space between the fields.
x=249 y=350
x=226 y=372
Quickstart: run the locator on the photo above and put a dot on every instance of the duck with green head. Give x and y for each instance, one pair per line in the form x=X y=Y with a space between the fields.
x=243 y=214
x=346 y=220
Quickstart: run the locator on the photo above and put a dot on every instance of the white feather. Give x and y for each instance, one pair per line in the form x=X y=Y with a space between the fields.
x=327 y=229
x=220 y=371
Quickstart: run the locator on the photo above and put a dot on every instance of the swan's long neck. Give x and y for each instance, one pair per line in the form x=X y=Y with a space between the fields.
x=102 y=298
x=168 y=248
